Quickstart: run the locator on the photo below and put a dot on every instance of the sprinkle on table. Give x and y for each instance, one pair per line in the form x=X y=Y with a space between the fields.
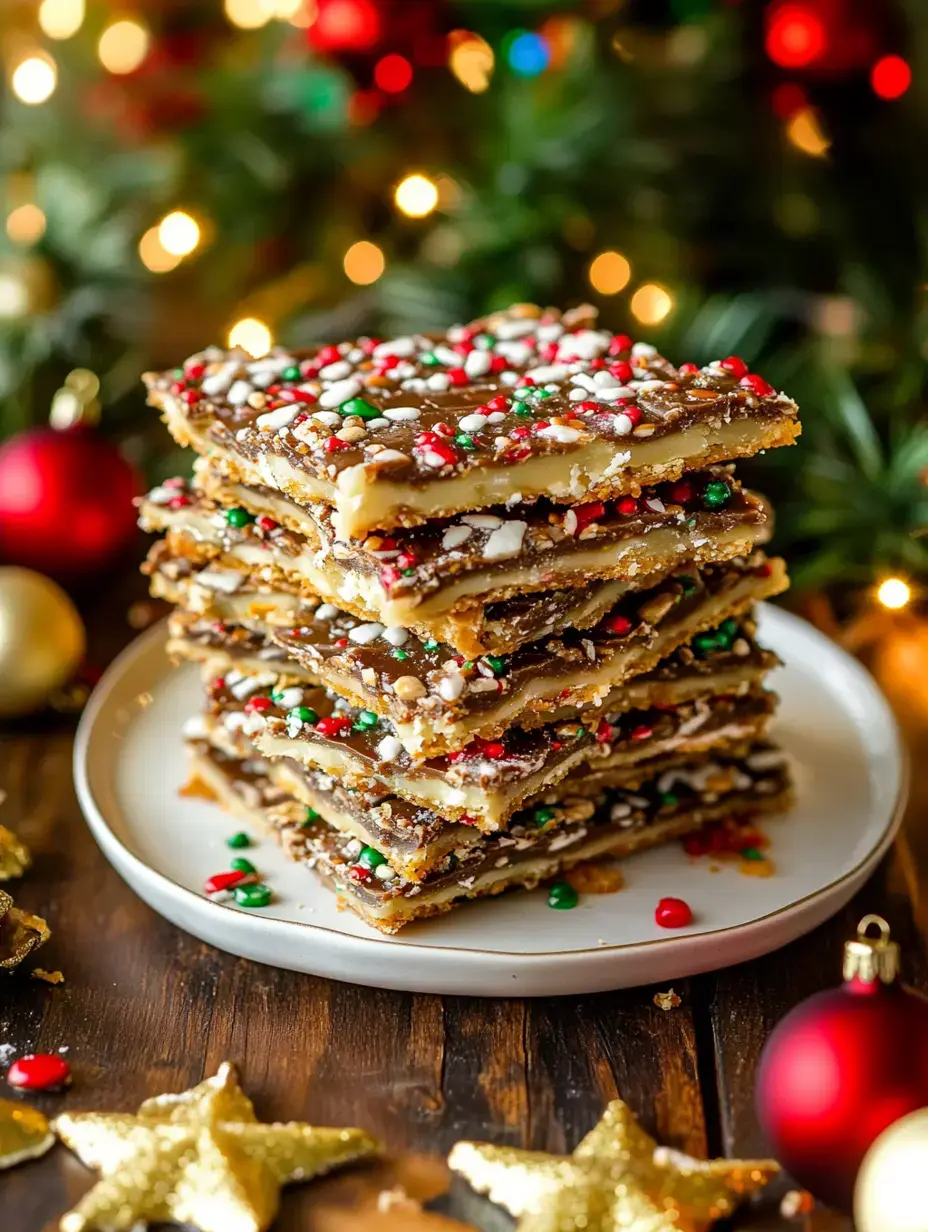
x=673 y=913
x=39 y=1071
x=254 y=894
x=562 y=896
x=238 y=840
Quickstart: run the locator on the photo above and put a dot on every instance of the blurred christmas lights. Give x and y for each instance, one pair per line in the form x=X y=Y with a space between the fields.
x=364 y=262
x=805 y=132
x=252 y=335
x=393 y=74
x=796 y=35
x=344 y=25
x=894 y=593
x=123 y=46
x=416 y=196
x=178 y=233
x=34 y=79
x=61 y=19
x=153 y=254
x=25 y=224
x=14 y=295
x=890 y=77
x=527 y=52
x=471 y=60
x=249 y=14
x=609 y=273
x=651 y=303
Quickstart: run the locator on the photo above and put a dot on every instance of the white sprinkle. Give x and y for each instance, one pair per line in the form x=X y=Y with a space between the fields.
x=340 y=392
x=294 y=725
x=246 y=685
x=505 y=541
x=335 y=372
x=195 y=728
x=620 y=811
x=604 y=378
x=362 y=634
x=396 y=635
x=622 y=425
x=643 y=350
x=509 y=378
x=496 y=417
x=389 y=748
x=438 y=381
x=383 y=872
x=585 y=380
x=565 y=840
x=515 y=353
x=352 y=849
x=514 y=327
x=561 y=433
x=451 y=687
x=444 y=355
x=431 y=458
x=239 y=393
x=612 y=393
x=547 y=372
x=472 y=423
x=396 y=346
x=454 y=536
x=402 y=414
x=656 y=505
x=571 y=522
x=280 y=418
x=646 y=387
x=376 y=423
x=288 y=698
x=586 y=343
x=163 y=496
x=549 y=333
x=482 y=521
x=326 y=611
x=328 y=418
x=578 y=395
x=219 y=381
x=226 y=580
x=477 y=363
x=389 y=455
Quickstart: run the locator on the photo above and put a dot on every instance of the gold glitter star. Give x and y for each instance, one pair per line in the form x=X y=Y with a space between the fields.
x=199 y=1158
x=617 y=1180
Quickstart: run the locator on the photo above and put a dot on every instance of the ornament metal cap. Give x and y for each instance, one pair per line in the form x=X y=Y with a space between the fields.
x=869 y=959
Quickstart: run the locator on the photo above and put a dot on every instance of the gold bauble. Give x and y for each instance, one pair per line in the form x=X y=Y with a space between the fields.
x=891 y=1193
x=41 y=640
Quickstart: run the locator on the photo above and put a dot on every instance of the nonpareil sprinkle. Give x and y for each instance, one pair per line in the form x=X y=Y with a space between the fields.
x=562 y=896
x=238 y=840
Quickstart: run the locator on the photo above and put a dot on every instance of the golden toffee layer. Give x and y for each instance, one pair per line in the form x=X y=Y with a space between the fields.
x=482 y=583
x=614 y=822
x=521 y=405
x=439 y=702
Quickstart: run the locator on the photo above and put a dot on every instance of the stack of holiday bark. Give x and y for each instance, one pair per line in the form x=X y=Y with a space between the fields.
x=471 y=608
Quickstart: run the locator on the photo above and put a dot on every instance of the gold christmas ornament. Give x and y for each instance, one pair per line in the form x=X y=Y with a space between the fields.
x=891 y=1191
x=41 y=640
x=617 y=1180
x=24 y=1133
x=199 y=1158
x=20 y=933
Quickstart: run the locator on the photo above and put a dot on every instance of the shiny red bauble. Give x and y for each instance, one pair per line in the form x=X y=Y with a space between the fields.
x=836 y=1072
x=65 y=501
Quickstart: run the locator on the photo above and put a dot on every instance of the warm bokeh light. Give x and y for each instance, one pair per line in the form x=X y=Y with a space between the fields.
x=14 y=296
x=471 y=60
x=34 y=79
x=416 y=196
x=651 y=303
x=805 y=133
x=252 y=335
x=894 y=593
x=178 y=233
x=249 y=14
x=364 y=262
x=294 y=11
x=890 y=77
x=61 y=19
x=123 y=46
x=796 y=35
x=25 y=224
x=154 y=255
x=609 y=273
x=393 y=74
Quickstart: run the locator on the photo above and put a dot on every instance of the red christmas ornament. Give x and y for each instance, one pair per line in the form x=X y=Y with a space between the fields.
x=39 y=1071
x=842 y=1067
x=65 y=501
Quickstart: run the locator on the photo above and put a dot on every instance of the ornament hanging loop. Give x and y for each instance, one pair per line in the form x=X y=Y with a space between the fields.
x=869 y=959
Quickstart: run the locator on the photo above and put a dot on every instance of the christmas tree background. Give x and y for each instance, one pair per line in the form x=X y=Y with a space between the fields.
x=718 y=177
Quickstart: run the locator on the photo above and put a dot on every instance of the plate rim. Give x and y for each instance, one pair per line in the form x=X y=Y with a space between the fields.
x=105 y=835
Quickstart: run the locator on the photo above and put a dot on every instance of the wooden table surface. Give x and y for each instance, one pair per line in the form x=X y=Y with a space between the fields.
x=146 y=1009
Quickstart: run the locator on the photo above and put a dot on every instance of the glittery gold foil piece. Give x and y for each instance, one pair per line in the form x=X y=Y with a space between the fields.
x=14 y=855
x=199 y=1158
x=24 y=1133
x=617 y=1180
x=20 y=933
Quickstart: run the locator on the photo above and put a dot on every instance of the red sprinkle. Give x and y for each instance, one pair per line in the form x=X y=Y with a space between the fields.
x=603 y=732
x=297 y=395
x=406 y=560
x=494 y=750
x=519 y=434
x=328 y=355
x=444 y=429
x=756 y=384
x=682 y=492
x=457 y=376
x=463 y=348
x=39 y=1071
x=737 y=367
x=673 y=913
x=193 y=372
x=498 y=363
x=627 y=505
x=265 y=523
x=641 y=732
x=549 y=352
x=620 y=343
x=309 y=368
x=622 y=371
x=357 y=872
x=333 y=445
x=633 y=413
x=499 y=403
x=619 y=624
x=369 y=345
x=255 y=705
x=688 y=368
x=585 y=514
x=389 y=576
x=191 y=396
x=178 y=502
x=591 y=407
x=332 y=726
x=219 y=883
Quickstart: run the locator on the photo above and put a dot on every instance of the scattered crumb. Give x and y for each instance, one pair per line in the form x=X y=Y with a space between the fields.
x=50 y=977
x=6 y=1053
x=65 y=1048
x=601 y=941
x=196 y=789
x=590 y=878
x=666 y=1000
x=396 y=1199
x=796 y=1202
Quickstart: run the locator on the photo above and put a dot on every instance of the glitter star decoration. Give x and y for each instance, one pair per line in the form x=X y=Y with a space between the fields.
x=617 y=1180
x=199 y=1158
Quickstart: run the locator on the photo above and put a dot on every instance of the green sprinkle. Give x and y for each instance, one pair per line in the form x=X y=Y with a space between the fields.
x=562 y=896
x=543 y=815
x=465 y=441
x=579 y=733
x=468 y=666
x=484 y=342
x=240 y=839
x=291 y=374
x=305 y=714
x=178 y=374
x=543 y=393
x=525 y=391
x=256 y=895
x=704 y=644
x=311 y=816
x=688 y=583
x=717 y=494
x=669 y=799
x=729 y=627
x=400 y=654
x=241 y=865
x=365 y=721
x=371 y=858
x=496 y=664
x=429 y=359
x=239 y=517
x=751 y=853
x=430 y=644
x=522 y=409
x=359 y=408
x=408 y=572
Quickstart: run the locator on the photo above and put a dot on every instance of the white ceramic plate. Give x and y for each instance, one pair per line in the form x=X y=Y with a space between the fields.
x=834 y=722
